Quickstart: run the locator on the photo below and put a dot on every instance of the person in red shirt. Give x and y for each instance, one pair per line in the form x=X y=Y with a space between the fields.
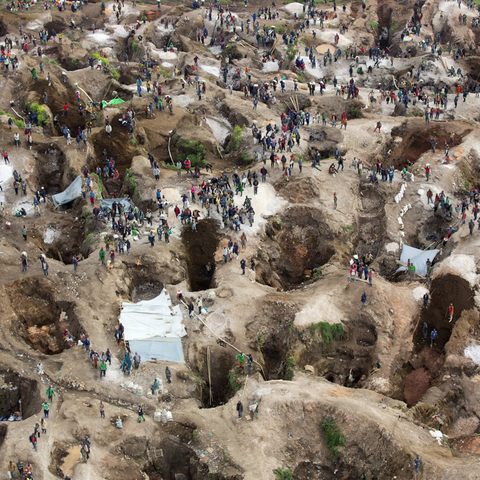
x=427 y=170
x=450 y=312
x=65 y=110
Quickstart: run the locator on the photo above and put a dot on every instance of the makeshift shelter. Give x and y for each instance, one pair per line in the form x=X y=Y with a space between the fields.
x=418 y=258
x=73 y=191
x=154 y=328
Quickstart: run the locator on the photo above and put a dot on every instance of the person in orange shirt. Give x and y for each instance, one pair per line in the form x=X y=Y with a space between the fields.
x=450 y=312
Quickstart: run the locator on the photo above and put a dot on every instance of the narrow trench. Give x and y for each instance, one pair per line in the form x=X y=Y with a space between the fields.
x=200 y=247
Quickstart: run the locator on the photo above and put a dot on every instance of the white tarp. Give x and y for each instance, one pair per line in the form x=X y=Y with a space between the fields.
x=418 y=258
x=73 y=191
x=154 y=328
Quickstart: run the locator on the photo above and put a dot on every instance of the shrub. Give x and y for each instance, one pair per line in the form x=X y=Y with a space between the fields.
x=282 y=474
x=334 y=437
x=329 y=332
x=194 y=150
x=280 y=29
x=246 y=159
x=289 y=369
x=292 y=51
x=19 y=123
x=236 y=139
x=232 y=379
x=42 y=115
x=196 y=436
x=374 y=26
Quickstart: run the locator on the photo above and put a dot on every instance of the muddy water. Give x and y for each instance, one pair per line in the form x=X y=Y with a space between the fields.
x=220 y=127
x=73 y=458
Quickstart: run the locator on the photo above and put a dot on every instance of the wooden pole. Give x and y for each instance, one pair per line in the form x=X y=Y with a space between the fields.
x=209 y=374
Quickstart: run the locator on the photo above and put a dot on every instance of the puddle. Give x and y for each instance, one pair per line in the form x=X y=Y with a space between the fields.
x=73 y=458
x=221 y=128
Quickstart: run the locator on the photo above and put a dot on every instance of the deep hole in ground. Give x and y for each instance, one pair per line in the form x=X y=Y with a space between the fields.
x=221 y=363
x=200 y=247
x=444 y=290
x=180 y=462
x=293 y=245
x=372 y=221
x=51 y=171
x=3 y=434
x=119 y=147
x=19 y=388
x=384 y=13
x=65 y=235
x=39 y=318
x=416 y=136
x=347 y=360
x=146 y=291
x=58 y=94
x=415 y=376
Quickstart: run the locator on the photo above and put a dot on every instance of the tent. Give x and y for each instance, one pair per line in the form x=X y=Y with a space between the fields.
x=418 y=258
x=154 y=328
x=73 y=191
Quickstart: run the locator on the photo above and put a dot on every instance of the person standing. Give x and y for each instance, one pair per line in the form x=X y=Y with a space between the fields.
x=168 y=374
x=11 y=469
x=334 y=200
x=370 y=276
x=50 y=393
x=102 y=409
x=433 y=337
x=141 y=415
x=416 y=465
x=425 y=300
x=242 y=265
x=43 y=424
x=103 y=368
x=136 y=360
x=24 y=233
x=249 y=364
x=240 y=409
x=450 y=312
x=46 y=409
x=364 y=299
x=425 y=331
x=33 y=441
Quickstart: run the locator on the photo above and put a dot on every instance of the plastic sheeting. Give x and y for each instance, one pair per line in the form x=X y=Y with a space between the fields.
x=418 y=258
x=109 y=202
x=73 y=191
x=154 y=328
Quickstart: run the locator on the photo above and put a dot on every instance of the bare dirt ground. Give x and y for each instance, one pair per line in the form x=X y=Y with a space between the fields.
x=337 y=391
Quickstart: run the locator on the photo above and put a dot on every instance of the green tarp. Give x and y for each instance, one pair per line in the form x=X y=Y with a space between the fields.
x=115 y=101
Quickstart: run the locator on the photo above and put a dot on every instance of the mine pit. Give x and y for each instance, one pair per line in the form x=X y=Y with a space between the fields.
x=200 y=248
x=19 y=396
x=41 y=319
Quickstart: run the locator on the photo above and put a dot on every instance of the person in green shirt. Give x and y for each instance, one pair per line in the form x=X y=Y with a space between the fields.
x=50 y=393
x=46 y=409
x=412 y=270
x=241 y=360
x=103 y=368
x=101 y=256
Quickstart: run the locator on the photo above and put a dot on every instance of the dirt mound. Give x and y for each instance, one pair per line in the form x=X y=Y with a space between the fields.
x=40 y=319
x=295 y=243
x=298 y=190
x=200 y=247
